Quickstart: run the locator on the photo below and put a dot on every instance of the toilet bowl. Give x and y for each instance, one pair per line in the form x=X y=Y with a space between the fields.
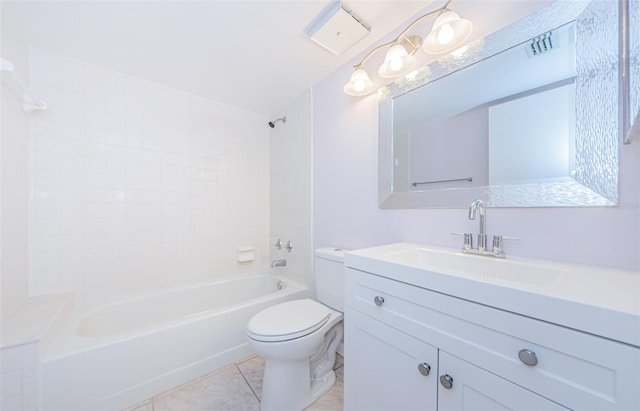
x=298 y=340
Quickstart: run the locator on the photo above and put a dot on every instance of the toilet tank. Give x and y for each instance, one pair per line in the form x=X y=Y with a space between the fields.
x=329 y=277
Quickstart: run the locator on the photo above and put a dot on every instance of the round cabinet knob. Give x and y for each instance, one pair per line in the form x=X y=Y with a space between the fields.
x=424 y=368
x=528 y=357
x=447 y=381
x=378 y=300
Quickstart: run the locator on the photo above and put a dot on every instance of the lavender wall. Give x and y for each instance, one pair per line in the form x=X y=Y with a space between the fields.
x=346 y=213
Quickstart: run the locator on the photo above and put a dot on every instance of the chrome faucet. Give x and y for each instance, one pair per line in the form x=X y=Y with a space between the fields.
x=279 y=263
x=480 y=206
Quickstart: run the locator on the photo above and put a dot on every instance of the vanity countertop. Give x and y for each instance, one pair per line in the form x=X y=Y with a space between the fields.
x=597 y=300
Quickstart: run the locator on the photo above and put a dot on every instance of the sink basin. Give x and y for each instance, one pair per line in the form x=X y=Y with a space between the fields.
x=488 y=269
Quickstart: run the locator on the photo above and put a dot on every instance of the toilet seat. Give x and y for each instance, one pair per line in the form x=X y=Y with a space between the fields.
x=288 y=321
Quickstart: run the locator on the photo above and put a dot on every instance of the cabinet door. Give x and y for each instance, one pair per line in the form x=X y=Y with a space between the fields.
x=385 y=368
x=472 y=388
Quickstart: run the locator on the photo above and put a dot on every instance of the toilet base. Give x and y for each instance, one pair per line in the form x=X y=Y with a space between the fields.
x=321 y=386
x=287 y=386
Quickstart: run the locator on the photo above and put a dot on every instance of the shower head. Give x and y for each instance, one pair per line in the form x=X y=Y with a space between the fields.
x=272 y=124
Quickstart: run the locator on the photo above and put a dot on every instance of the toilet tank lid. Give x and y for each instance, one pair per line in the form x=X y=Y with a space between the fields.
x=331 y=253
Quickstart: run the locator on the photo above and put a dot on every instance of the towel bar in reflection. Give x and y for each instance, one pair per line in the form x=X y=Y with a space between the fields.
x=443 y=181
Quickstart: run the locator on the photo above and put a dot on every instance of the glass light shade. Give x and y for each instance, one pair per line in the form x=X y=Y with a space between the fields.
x=397 y=62
x=359 y=84
x=448 y=33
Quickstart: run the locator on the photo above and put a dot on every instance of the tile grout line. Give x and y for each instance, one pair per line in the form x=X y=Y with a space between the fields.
x=247 y=381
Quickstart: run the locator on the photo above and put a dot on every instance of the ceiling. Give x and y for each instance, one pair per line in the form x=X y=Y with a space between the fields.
x=250 y=54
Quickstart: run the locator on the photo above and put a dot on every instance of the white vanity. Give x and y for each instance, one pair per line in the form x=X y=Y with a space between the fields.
x=431 y=328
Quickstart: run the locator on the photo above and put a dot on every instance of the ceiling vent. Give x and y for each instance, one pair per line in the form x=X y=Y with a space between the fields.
x=338 y=29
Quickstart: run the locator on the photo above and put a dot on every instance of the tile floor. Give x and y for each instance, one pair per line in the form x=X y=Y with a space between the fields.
x=237 y=387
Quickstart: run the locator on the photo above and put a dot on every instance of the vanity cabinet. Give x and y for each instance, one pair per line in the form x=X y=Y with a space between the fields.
x=388 y=369
x=467 y=387
x=495 y=358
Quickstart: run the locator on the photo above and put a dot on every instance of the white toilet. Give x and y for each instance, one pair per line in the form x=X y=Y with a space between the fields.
x=299 y=338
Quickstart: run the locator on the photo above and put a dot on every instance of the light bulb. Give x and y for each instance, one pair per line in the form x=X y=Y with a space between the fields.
x=360 y=80
x=396 y=64
x=360 y=84
x=445 y=34
x=396 y=56
x=448 y=33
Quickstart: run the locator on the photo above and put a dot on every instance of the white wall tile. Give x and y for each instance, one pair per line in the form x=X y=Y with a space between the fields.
x=30 y=360
x=20 y=377
x=290 y=187
x=12 y=404
x=30 y=393
x=10 y=359
x=11 y=384
x=136 y=180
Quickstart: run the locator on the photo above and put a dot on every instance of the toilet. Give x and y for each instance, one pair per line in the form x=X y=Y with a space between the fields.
x=299 y=338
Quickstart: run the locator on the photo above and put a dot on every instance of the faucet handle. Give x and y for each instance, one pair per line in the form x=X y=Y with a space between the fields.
x=498 y=240
x=468 y=240
x=278 y=244
x=482 y=242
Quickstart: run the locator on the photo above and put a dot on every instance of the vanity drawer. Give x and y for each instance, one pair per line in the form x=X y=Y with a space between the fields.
x=574 y=369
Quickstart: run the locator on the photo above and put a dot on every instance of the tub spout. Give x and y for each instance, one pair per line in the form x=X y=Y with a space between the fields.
x=279 y=263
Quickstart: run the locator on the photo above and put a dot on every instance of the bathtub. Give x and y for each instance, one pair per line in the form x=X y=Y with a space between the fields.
x=121 y=353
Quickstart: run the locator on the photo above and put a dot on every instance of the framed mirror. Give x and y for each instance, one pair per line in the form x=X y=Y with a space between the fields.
x=527 y=117
x=631 y=99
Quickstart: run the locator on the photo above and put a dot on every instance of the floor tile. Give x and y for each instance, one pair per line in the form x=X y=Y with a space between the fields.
x=253 y=370
x=339 y=362
x=235 y=388
x=144 y=406
x=331 y=401
x=224 y=390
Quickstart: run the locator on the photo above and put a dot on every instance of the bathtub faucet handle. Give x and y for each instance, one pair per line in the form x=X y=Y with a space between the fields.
x=278 y=244
x=289 y=246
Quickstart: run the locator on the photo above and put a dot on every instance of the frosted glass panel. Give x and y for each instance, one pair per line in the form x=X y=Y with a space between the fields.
x=596 y=112
x=634 y=59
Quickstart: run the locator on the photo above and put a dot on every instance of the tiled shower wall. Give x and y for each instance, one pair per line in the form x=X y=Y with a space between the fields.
x=14 y=172
x=290 y=195
x=136 y=186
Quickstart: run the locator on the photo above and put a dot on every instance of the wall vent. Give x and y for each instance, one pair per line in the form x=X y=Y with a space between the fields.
x=541 y=44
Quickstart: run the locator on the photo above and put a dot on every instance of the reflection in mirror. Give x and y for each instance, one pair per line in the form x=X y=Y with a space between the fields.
x=525 y=117
x=484 y=126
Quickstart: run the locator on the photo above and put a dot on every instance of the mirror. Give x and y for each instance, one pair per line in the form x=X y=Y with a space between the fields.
x=524 y=118
x=632 y=66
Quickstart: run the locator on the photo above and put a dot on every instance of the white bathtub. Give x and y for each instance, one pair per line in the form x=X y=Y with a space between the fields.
x=122 y=353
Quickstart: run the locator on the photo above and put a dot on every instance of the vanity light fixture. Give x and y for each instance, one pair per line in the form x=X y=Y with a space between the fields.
x=360 y=84
x=449 y=31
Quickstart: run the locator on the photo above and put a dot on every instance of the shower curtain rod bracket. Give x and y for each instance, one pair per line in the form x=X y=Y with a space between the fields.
x=29 y=103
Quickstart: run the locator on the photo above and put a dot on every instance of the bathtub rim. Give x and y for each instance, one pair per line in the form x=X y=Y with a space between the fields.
x=66 y=341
